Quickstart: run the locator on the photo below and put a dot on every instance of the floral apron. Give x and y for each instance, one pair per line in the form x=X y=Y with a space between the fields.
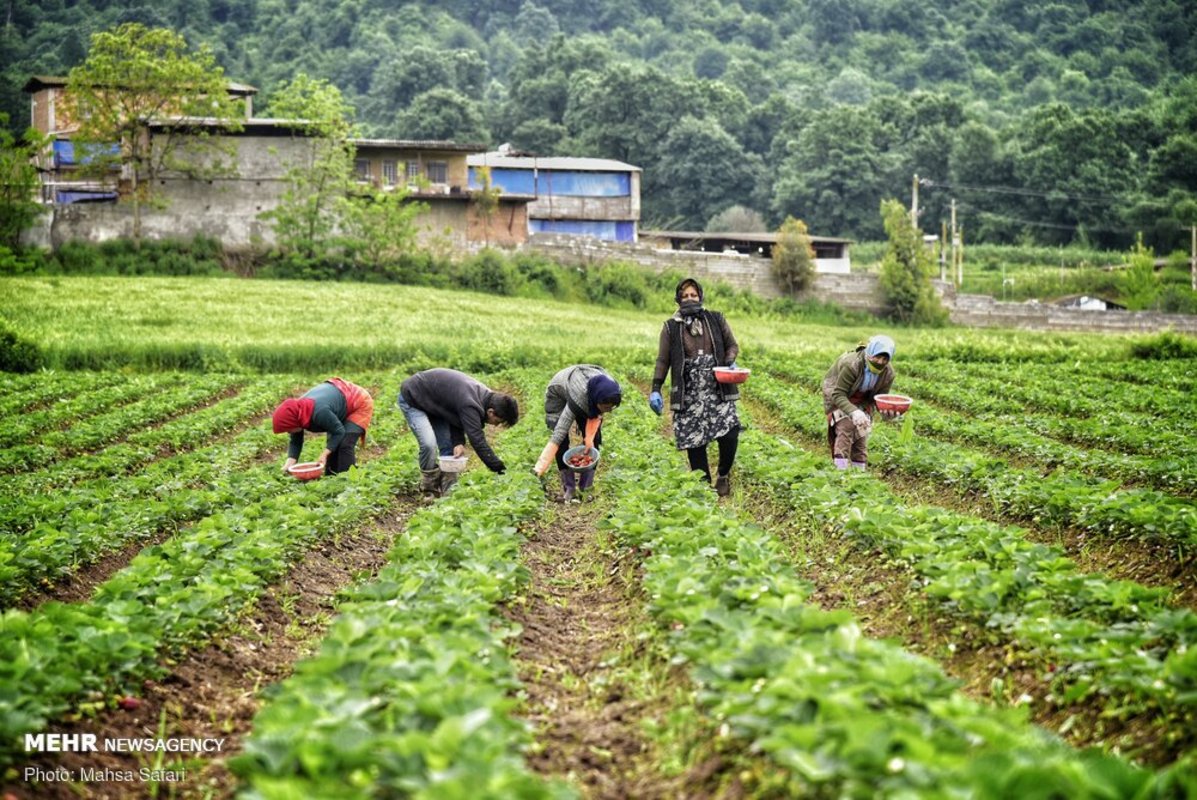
x=705 y=416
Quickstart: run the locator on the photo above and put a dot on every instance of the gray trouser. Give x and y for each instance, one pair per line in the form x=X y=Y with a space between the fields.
x=849 y=443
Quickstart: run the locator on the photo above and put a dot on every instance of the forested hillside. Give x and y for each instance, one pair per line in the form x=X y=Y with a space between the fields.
x=1047 y=122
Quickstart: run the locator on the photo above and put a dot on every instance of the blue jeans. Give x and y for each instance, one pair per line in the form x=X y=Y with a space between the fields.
x=431 y=433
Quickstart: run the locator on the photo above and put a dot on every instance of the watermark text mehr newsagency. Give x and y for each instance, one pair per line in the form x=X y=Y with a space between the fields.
x=91 y=743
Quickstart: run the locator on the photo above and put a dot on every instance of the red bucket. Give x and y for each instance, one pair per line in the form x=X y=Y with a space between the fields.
x=729 y=375
x=896 y=403
x=308 y=471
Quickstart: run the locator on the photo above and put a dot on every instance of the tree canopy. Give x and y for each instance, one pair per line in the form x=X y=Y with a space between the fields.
x=841 y=100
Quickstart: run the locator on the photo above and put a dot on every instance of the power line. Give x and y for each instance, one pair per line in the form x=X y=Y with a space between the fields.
x=1037 y=224
x=1014 y=190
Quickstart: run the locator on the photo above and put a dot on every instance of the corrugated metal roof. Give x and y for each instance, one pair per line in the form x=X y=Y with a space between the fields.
x=418 y=144
x=37 y=82
x=499 y=161
x=768 y=238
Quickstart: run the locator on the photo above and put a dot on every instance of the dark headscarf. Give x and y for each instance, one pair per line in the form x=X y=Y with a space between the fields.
x=689 y=314
x=602 y=389
x=677 y=293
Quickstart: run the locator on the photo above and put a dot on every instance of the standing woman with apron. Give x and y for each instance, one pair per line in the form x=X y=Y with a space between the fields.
x=693 y=342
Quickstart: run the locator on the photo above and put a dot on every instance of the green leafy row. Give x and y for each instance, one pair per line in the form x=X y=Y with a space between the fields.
x=1079 y=388
x=1087 y=421
x=22 y=393
x=1174 y=475
x=144 y=450
x=1055 y=499
x=1114 y=643
x=846 y=715
x=115 y=424
x=27 y=425
x=176 y=594
x=412 y=691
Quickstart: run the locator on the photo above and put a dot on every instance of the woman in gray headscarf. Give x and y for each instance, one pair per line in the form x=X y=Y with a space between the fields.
x=849 y=387
x=693 y=342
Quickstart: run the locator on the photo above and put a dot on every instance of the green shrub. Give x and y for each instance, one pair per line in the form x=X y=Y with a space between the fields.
x=618 y=284
x=1164 y=346
x=18 y=354
x=488 y=272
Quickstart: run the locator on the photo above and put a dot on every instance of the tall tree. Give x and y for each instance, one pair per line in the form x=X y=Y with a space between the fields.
x=18 y=183
x=702 y=170
x=906 y=271
x=793 y=257
x=161 y=106
x=320 y=175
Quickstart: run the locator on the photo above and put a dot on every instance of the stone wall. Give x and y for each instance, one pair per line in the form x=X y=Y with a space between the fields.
x=857 y=291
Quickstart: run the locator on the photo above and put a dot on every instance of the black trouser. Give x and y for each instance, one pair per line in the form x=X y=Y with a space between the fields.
x=598 y=441
x=728 y=443
x=345 y=456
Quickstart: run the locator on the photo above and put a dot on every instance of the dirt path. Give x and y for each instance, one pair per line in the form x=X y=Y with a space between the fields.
x=213 y=693
x=591 y=675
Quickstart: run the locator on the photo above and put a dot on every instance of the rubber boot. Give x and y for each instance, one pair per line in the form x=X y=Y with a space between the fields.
x=569 y=485
x=860 y=465
x=723 y=485
x=430 y=482
x=447 y=480
x=840 y=463
x=586 y=480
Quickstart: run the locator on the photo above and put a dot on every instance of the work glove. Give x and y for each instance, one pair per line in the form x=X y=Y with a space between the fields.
x=656 y=402
x=862 y=422
x=732 y=365
x=890 y=416
x=546 y=457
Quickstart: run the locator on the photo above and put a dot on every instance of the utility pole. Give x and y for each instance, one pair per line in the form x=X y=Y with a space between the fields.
x=954 y=239
x=960 y=259
x=914 y=202
x=943 y=251
x=1193 y=255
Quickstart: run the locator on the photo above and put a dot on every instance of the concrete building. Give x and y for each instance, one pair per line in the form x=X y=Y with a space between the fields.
x=831 y=254
x=229 y=205
x=594 y=197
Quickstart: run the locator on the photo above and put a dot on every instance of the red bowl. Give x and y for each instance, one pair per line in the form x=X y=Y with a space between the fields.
x=897 y=403
x=729 y=375
x=308 y=471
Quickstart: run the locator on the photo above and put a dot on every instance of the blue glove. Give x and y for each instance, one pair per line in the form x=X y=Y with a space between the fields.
x=732 y=365
x=656 y=402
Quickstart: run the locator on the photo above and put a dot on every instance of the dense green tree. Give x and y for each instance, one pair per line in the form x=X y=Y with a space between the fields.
x=702 y=170
x=134 y=77
x=320 y=179
x=19 y=182
x=1074 y=170
x=906 y=271
x=999 y=59
x=443 y=114
x=793 y=257
x=738 y=219
x=836 y=166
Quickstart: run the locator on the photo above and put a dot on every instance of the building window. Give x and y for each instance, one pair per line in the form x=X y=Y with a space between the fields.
x=438 y=171
x=389 y=175
x=413 y=170
x=361 y=168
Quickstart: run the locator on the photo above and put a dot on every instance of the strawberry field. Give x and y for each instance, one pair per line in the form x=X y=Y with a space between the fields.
x=1001 y=606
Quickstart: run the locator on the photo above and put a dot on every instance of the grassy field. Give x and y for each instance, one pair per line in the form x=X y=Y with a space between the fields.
x=1002 y=605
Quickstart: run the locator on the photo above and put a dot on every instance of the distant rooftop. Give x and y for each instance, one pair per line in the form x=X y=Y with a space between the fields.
x=39 y=82
x=419 y=144
x=729 y=236
x=501 y=160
